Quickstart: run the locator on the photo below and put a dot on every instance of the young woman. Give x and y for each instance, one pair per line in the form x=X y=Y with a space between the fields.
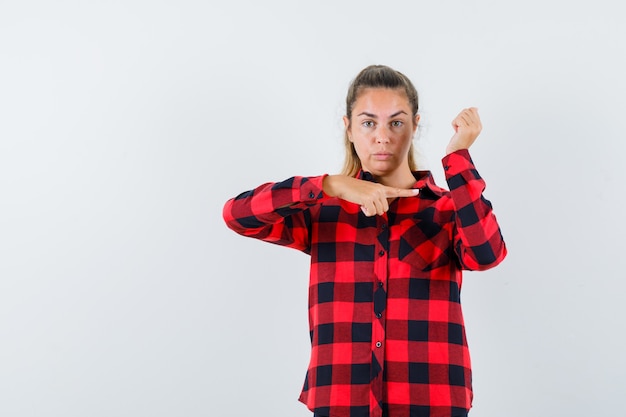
x=387 y=249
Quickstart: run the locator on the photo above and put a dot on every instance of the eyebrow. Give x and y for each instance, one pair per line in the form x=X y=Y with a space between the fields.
x=374 y=116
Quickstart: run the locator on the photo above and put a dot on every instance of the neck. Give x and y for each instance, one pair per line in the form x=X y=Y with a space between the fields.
x=399 y=179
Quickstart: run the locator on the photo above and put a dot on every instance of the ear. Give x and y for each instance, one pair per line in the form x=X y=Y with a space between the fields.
x=346 y=125
x=416 y=120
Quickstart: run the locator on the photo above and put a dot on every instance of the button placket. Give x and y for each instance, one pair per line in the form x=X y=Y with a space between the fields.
x=381 y=271
x=380 y=294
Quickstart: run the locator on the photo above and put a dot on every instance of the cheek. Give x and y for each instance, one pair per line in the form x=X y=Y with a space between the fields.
x=357 y=146
x=360 y=146
x=406 y=144
x=408 y=136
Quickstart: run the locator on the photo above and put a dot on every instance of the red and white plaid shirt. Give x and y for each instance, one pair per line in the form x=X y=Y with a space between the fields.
x=386 y=325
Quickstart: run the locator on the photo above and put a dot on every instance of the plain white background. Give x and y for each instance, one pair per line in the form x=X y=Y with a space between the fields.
x=126 y=125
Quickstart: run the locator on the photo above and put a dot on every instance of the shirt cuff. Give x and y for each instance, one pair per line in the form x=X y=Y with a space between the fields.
x=312 y=189
x=456 y=162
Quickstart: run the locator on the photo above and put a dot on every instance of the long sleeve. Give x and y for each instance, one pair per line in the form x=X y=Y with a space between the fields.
x=478 y=241
x=276 y=212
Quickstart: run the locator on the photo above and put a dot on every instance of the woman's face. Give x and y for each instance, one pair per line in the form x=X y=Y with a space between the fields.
x=381 y=130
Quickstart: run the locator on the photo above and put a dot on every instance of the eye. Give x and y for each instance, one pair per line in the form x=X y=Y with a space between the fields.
x=368 y=123
x=397 y=123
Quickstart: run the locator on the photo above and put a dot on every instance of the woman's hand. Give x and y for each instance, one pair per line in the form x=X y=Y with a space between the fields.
x=373 y=198
x=467 y=127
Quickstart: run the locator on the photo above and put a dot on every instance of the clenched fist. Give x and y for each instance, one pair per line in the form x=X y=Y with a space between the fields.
x=467 y=127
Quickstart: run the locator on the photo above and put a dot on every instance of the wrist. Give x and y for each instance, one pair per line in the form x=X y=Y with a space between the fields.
x=328 y=185
x=452 y=149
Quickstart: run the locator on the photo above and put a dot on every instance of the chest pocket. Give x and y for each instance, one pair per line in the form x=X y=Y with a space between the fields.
x=425 y=244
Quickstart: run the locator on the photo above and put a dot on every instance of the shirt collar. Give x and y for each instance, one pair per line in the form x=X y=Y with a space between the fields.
x=423 y=180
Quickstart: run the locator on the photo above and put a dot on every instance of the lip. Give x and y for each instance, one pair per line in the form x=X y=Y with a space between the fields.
x=382 y=156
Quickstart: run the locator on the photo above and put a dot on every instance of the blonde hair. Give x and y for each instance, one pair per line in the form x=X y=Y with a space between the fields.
x=375 y=76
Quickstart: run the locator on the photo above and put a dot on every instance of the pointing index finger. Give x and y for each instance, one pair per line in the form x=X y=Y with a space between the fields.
x=401 y=192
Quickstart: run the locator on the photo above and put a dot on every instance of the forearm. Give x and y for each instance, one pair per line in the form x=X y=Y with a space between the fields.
x=262 y=213
x=478 y=240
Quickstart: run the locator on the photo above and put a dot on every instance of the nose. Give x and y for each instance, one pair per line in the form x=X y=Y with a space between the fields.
x=382 y=135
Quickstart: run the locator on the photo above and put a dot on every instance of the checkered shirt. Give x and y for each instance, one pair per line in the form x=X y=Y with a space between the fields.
x=386 y=326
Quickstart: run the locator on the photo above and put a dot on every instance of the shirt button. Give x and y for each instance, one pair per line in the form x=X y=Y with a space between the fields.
x=380 y=284
x=384 y=226
x=379 y=315
x=378 y=344
x=381 y=253
x=311 y=195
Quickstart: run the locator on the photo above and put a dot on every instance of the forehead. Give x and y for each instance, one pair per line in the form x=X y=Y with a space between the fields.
x=382 y=99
